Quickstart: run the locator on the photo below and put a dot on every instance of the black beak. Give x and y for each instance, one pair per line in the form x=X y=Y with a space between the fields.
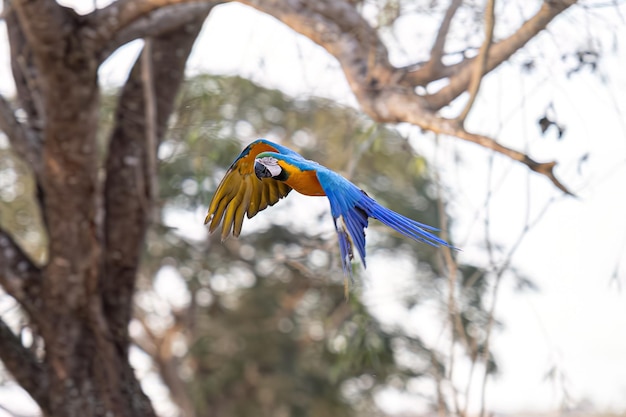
x=261 y=171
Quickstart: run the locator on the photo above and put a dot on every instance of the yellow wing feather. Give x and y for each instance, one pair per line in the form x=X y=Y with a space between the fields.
x=240 y=192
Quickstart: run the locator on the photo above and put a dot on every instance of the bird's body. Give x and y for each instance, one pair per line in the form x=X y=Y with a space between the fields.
x=299 y=175
x=266 y=172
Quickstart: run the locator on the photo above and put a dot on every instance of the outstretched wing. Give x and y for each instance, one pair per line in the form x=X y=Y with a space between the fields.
x=241 y=192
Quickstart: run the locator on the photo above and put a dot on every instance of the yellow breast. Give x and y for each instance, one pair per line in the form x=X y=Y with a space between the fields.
x=304 y=182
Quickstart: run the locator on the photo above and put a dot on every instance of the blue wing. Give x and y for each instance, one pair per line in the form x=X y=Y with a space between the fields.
x=351 y=207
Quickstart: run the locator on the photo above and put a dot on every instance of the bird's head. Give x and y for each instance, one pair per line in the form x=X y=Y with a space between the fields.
x=268 y=167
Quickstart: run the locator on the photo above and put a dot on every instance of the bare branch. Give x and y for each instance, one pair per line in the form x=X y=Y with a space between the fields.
x=450 y=268
x=498 y=53
x=544 y=168
x=380 y=89
x=337 y=26
x=23 y=365
x=481 y=61
x=23 y=140
x=159 y=347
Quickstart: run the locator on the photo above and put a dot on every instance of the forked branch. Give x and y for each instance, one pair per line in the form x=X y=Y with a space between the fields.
x=460 y=74
x=383 y=91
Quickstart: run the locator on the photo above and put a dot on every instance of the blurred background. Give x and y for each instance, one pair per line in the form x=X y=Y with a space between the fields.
x=528 y=318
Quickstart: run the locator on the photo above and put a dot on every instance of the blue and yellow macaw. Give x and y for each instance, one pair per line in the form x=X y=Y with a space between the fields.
x=277 y=170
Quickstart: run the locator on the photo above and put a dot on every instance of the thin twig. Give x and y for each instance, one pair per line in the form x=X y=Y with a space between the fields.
x=470 y=376
x=452 y=267
x=456 y=324
x=442 y=409
x=544 y=168
x=480 y=66
x=486 y=350
x=503 y=267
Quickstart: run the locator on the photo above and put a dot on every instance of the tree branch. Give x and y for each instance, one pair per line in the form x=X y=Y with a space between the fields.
x=153 y=24
x=498 y=53
x=379 y=88
x=127 y=196
x=453 y=128
x=337 y=26
x=111 y=22
x=23 y=365
x=481 y=61
x=19 y=276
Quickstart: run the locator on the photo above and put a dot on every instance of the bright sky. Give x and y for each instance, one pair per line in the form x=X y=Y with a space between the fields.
x=577 y=321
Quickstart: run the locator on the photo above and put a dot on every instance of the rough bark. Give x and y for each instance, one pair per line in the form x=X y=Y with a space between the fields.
x=127 y=194
x=79 y=303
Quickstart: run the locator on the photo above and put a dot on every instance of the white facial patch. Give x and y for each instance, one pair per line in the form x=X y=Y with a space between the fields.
x=271 y=164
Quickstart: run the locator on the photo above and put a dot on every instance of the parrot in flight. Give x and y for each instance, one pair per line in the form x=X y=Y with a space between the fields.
x=265 y=172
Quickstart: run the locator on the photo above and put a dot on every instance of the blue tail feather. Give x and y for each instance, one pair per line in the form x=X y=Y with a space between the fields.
x=352 y=207
x=356 y=222
x=410 y=228
x=345 y=249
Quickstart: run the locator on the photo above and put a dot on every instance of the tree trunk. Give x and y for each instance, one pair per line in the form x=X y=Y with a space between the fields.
x=80 y=301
